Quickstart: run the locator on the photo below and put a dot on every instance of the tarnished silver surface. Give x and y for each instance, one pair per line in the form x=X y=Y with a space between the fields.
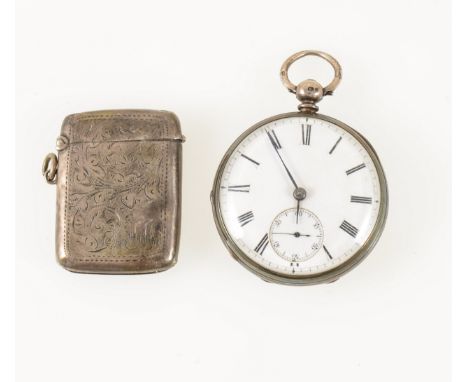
x=49 y=168
x=119 y=191
x=310 y=92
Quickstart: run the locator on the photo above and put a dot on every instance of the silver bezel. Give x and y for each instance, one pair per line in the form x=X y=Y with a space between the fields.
x=329 y=275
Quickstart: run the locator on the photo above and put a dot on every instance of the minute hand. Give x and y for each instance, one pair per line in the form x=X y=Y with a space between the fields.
x=275 y=146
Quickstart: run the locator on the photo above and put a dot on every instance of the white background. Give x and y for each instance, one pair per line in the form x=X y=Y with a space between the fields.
x=216 y=65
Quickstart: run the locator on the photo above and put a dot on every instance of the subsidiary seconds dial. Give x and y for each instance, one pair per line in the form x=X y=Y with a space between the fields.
x=296 y=235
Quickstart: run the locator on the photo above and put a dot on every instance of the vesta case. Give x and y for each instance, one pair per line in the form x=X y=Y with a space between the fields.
x=118 y=182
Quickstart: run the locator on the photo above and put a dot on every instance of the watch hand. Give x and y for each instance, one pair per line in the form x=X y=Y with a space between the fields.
x=297 y=210
x=275 y=146
x=297 y=234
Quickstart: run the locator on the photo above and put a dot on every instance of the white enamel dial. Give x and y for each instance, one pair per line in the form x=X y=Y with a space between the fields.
x=339 y=206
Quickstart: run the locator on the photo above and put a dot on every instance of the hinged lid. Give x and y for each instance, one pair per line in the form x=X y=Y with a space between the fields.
x=121 y=125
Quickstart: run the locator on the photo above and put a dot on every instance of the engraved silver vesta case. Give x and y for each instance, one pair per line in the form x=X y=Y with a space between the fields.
x=118 y=177
x=300 y=198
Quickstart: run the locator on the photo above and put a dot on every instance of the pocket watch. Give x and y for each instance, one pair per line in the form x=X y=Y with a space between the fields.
x=300 y=198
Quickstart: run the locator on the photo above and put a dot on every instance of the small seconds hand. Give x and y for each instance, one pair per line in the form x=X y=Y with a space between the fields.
x=297 y=234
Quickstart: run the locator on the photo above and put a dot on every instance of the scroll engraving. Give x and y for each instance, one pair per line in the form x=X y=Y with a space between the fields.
x=116 y=197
